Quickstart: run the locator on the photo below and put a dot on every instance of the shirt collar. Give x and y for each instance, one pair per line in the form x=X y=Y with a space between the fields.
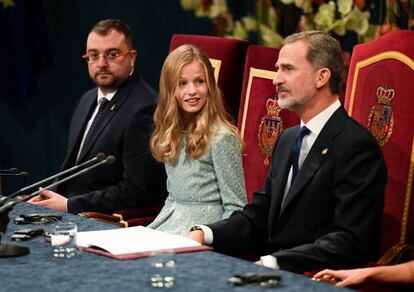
x=316 y=124
x=108 y=96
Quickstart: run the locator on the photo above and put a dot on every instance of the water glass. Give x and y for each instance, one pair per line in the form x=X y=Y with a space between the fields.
x=63 y=239
x=163 y=265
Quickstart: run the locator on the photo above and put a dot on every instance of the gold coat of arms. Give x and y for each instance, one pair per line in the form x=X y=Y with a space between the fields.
x=270 y=128
x=381 y=120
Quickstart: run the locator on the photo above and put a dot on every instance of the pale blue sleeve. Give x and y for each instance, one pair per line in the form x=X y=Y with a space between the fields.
x=227 y=161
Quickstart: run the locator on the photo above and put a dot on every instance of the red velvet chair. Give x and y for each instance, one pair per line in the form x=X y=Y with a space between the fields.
x=380 y=96
x=260 y=118
x=227 y=57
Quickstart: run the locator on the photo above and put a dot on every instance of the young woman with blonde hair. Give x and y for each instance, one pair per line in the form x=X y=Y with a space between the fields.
x=198 y=144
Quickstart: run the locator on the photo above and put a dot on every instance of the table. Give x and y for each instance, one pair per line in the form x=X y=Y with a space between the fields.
x=198 y=271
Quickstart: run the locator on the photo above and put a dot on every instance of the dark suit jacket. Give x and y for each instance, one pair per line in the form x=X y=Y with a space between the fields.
x=134 y=179
x=333 y=210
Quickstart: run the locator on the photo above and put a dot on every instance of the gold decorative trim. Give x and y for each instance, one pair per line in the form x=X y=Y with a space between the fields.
x=410 y=63
x=254 y=72
x=216 y=65
x=407 y=201
x=121 y=222
x=379 y=57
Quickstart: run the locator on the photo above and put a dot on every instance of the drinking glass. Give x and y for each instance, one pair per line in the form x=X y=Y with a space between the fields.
x=63 y=239
x=163 y=265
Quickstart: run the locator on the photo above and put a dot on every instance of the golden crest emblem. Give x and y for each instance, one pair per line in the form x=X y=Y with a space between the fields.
x=270 y=128
x=381 y=120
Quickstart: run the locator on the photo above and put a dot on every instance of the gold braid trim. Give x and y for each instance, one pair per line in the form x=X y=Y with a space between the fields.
x=253 y=73
x=374 y=59
x=407 y=197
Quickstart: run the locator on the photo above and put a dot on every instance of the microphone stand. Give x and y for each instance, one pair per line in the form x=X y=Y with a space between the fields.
x=22 y=173
x=97 y=158
x=9 y=250
x=10 y=172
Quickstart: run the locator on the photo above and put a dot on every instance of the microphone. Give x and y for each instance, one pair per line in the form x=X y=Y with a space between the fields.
x=13 y=172
x=22 y=173
x=9 y=171
x=97 y=158
x=108 y=160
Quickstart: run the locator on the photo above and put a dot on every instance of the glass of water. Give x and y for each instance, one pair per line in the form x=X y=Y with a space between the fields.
x=163 y=264
x=63 y=239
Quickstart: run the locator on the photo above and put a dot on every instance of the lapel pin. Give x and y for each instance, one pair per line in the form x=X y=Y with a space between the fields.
x=324 y=151
x=112 y=108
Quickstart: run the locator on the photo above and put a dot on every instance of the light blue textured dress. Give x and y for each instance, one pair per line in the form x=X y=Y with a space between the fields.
x=205 y=190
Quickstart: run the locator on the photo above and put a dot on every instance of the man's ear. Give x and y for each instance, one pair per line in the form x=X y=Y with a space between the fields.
x=322 y=77
x=133 y=54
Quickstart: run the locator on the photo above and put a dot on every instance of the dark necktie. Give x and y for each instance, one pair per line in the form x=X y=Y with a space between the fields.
x=303 y=131
x=95 y=121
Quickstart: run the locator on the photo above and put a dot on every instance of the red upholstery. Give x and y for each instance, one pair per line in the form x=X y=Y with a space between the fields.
x=227 y=57
x=139 y=216
x=381 y=80
x=257 y=93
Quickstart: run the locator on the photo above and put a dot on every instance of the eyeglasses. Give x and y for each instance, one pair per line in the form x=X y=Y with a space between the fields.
x=109 y=57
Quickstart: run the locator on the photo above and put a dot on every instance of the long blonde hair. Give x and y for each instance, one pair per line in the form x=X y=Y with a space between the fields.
x=167 y=135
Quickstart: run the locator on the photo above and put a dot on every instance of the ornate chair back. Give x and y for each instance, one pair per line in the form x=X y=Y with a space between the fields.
x=261 y=120
x=227 y=57
x=379 y=95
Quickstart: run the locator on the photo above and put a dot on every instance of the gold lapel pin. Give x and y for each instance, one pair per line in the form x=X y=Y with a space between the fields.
x=112 y=107
x=324 y=151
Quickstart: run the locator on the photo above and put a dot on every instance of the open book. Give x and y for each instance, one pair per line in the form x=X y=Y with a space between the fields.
x=134 y=242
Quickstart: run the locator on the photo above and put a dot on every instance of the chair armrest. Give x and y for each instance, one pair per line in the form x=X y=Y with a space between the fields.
x=397 y=254
x=114 y=219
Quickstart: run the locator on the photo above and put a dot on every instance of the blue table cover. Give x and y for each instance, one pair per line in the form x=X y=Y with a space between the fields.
x=198 y=271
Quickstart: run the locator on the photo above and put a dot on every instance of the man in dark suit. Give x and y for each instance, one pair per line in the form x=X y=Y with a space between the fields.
x=321 y=205
x=116 y=119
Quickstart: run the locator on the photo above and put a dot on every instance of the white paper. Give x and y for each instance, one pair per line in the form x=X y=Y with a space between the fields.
x=133 y=240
